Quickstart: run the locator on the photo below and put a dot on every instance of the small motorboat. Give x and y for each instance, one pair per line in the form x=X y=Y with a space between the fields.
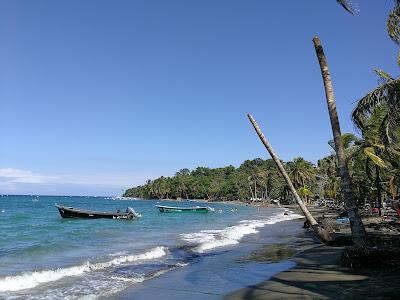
x=195 y=209
x=70 y=212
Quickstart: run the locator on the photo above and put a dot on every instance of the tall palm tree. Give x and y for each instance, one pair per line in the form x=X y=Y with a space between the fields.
x=264 y=179
x=319 y=230
x=373 y=149
x=302 y=174
x=252 y=179
x=357 y=227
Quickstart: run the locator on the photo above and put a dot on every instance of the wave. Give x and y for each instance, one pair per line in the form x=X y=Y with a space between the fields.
x=206 y=240
x=33 y=279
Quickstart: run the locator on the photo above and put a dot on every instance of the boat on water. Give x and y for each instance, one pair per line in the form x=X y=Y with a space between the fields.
x=194 y=209
x=71 y=212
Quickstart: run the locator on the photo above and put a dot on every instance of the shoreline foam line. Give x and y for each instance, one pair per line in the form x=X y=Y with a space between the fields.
x=32 y=279
x=206 y=240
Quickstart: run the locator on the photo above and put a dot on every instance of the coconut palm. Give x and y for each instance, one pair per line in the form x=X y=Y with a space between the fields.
x=305 y=193
x=318 y=229
x=357 y=227
x=264 y=178
x=387 y=97
x=348 y=140
x=393 y=23
x=252 y=179
x=387 y=94
x=301 y=172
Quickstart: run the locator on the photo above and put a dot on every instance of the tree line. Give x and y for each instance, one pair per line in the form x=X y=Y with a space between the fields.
x=373 y=167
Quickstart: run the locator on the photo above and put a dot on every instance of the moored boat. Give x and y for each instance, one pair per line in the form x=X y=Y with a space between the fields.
x=71 y=212
x=195 y=209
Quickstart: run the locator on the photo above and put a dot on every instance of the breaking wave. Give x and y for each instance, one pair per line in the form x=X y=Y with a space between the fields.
x=206 y=240
x=32 y=279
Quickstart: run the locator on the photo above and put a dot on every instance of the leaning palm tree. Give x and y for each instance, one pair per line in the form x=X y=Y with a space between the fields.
x=357 y=227
x=318 y=229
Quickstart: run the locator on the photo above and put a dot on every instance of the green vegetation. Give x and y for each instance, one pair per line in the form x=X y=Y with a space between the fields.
x=253 y=179
x=373 y=167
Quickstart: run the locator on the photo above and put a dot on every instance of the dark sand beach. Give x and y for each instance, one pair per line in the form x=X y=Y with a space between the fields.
x=319 y=274
x=256 y=258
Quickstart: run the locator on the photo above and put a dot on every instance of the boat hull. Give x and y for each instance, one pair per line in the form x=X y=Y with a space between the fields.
x=171 y=209
x=70 y=212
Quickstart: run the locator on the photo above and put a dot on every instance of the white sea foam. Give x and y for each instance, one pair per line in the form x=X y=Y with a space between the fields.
x=32 y=279
x=206 y=240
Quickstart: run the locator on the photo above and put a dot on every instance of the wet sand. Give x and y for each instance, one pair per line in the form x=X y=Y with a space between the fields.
x=224 y=271
x=318 y=274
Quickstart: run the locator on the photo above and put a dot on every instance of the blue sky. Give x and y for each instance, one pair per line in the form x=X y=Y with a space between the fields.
x=97 y=96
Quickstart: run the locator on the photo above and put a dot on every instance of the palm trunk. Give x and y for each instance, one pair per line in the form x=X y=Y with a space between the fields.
x=357 y=228
x=255 y=189
x=378 y=189
x=251 y=191
x=323 y=234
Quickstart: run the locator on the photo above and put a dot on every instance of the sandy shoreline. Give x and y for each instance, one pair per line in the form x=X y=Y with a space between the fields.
x=319 y=274
x=213 y=276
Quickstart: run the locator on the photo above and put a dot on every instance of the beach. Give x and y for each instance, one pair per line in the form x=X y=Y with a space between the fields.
x=319 y=272
x=214 y=276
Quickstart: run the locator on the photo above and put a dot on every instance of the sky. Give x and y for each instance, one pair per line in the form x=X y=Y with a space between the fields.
x=98 y=96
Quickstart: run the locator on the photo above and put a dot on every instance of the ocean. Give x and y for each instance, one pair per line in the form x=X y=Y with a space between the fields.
x=43 y=256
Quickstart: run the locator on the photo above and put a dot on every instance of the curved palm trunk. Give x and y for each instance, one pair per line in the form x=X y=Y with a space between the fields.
x=357 y=227
x=323 y=234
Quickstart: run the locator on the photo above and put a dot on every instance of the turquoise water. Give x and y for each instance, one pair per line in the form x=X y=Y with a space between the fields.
x=43 y=256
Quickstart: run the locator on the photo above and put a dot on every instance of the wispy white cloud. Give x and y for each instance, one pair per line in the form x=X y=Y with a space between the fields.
x=17 y=181
x=12 y=175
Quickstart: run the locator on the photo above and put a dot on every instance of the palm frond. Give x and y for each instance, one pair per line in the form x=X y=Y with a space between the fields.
x=347 y=5
x=394 y=151
x=384 y=77
x=388 y=94
x=369 y=151
x=393 y=23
